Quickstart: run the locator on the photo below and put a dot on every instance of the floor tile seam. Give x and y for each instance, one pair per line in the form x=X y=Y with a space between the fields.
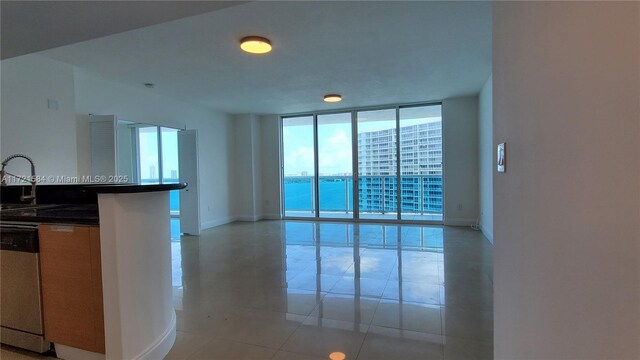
x=467 y=338
x=463 y=307
x=362 y=344
x=439 y=303
x=442 y=325
x=247 y=343
x=230 y=338
x=486 y=342
x=293 y=332
x=216 y=337
x=269 y=311
x=405 y=329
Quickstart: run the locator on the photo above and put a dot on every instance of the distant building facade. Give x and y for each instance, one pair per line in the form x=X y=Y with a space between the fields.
x=420 y=169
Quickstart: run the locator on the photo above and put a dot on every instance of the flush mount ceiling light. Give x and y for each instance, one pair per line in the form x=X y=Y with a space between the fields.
x=255 y=44
x=331 y=98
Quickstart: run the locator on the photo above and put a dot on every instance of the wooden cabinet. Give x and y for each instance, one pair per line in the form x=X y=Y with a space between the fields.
x=71 y=275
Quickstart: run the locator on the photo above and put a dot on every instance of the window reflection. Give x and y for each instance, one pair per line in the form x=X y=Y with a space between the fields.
x=350 y=265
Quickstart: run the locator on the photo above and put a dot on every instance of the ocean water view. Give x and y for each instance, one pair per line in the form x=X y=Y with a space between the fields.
x=377 y=194
x=298 y=194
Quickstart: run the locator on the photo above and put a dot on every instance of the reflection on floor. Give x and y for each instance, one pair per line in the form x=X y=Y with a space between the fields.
x=303 y=290
x=175 y=228
x=12 y=353
x=367 y=216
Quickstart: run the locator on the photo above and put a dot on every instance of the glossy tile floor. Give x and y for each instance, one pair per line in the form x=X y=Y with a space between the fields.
x=303 y=290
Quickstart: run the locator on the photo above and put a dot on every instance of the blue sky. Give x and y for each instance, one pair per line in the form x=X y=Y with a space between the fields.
x=148 y=143
x=334 y=138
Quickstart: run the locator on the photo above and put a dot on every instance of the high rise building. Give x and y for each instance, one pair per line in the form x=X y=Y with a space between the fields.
x=420 y=169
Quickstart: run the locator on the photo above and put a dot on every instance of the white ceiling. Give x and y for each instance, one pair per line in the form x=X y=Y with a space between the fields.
x=372 y=53
x=29 y=26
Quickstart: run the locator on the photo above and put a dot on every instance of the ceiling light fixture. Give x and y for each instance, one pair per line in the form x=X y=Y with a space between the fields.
x=331 y=98
x=255 y=44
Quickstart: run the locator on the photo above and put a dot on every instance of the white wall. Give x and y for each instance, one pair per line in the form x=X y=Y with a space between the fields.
x=485 y=158
x=566 y=80
x=59 y=140
x=247 y=159
x=270 y=152
x=215 y=166
x=460 y=134
x=256 y=149
x=98 y=95
x=28 y=126
x=460 y=143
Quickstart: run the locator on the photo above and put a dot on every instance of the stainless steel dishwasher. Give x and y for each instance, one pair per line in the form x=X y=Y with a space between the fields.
x=21 y=323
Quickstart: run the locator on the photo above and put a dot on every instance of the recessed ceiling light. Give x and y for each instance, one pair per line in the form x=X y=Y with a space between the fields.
x=331 y=98
x=255 y=44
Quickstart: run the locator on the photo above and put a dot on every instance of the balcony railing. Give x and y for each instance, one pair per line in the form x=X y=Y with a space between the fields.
x=419 y=194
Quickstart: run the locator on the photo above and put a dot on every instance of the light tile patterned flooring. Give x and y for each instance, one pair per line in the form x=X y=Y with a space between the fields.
x=302 y=290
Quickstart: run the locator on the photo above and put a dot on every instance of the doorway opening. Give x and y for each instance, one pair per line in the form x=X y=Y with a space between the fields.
x=157 y=163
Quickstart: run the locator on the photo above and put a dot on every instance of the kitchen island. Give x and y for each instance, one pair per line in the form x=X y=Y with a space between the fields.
x=135 y=260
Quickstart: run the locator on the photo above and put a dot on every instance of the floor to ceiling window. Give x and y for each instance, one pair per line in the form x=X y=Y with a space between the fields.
x=395 y=145
x=377 y=164
x=298 y=150
x=335 y=166
x=421 y=163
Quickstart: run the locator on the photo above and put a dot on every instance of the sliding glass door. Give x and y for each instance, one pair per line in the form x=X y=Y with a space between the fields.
x=421 y=163
x=335 y=166
x=298 y=160
x=398 y=164
x=377 y=164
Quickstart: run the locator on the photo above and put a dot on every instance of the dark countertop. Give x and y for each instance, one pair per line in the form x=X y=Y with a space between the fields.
x=131 y=188
x=68 y=203
x=79 y=193
x=78 y=214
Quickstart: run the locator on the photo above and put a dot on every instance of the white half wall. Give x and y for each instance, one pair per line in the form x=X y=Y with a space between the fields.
x=135 y=244
x=29 y=126
x=485 y=158
x=566 y=78
x=460 y=145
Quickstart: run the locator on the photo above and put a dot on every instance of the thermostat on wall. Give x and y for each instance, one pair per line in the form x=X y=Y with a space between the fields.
x=502 y=160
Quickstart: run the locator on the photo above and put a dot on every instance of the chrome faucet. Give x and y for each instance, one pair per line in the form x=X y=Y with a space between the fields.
x=32 y=180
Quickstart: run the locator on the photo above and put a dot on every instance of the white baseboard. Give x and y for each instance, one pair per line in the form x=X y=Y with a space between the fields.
x=230 y=219
x=488 y=234
x=161 y=347
x=70 y=353
x=272 y=217
x=250 y=218
x=459 y=221
x=216 y=222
